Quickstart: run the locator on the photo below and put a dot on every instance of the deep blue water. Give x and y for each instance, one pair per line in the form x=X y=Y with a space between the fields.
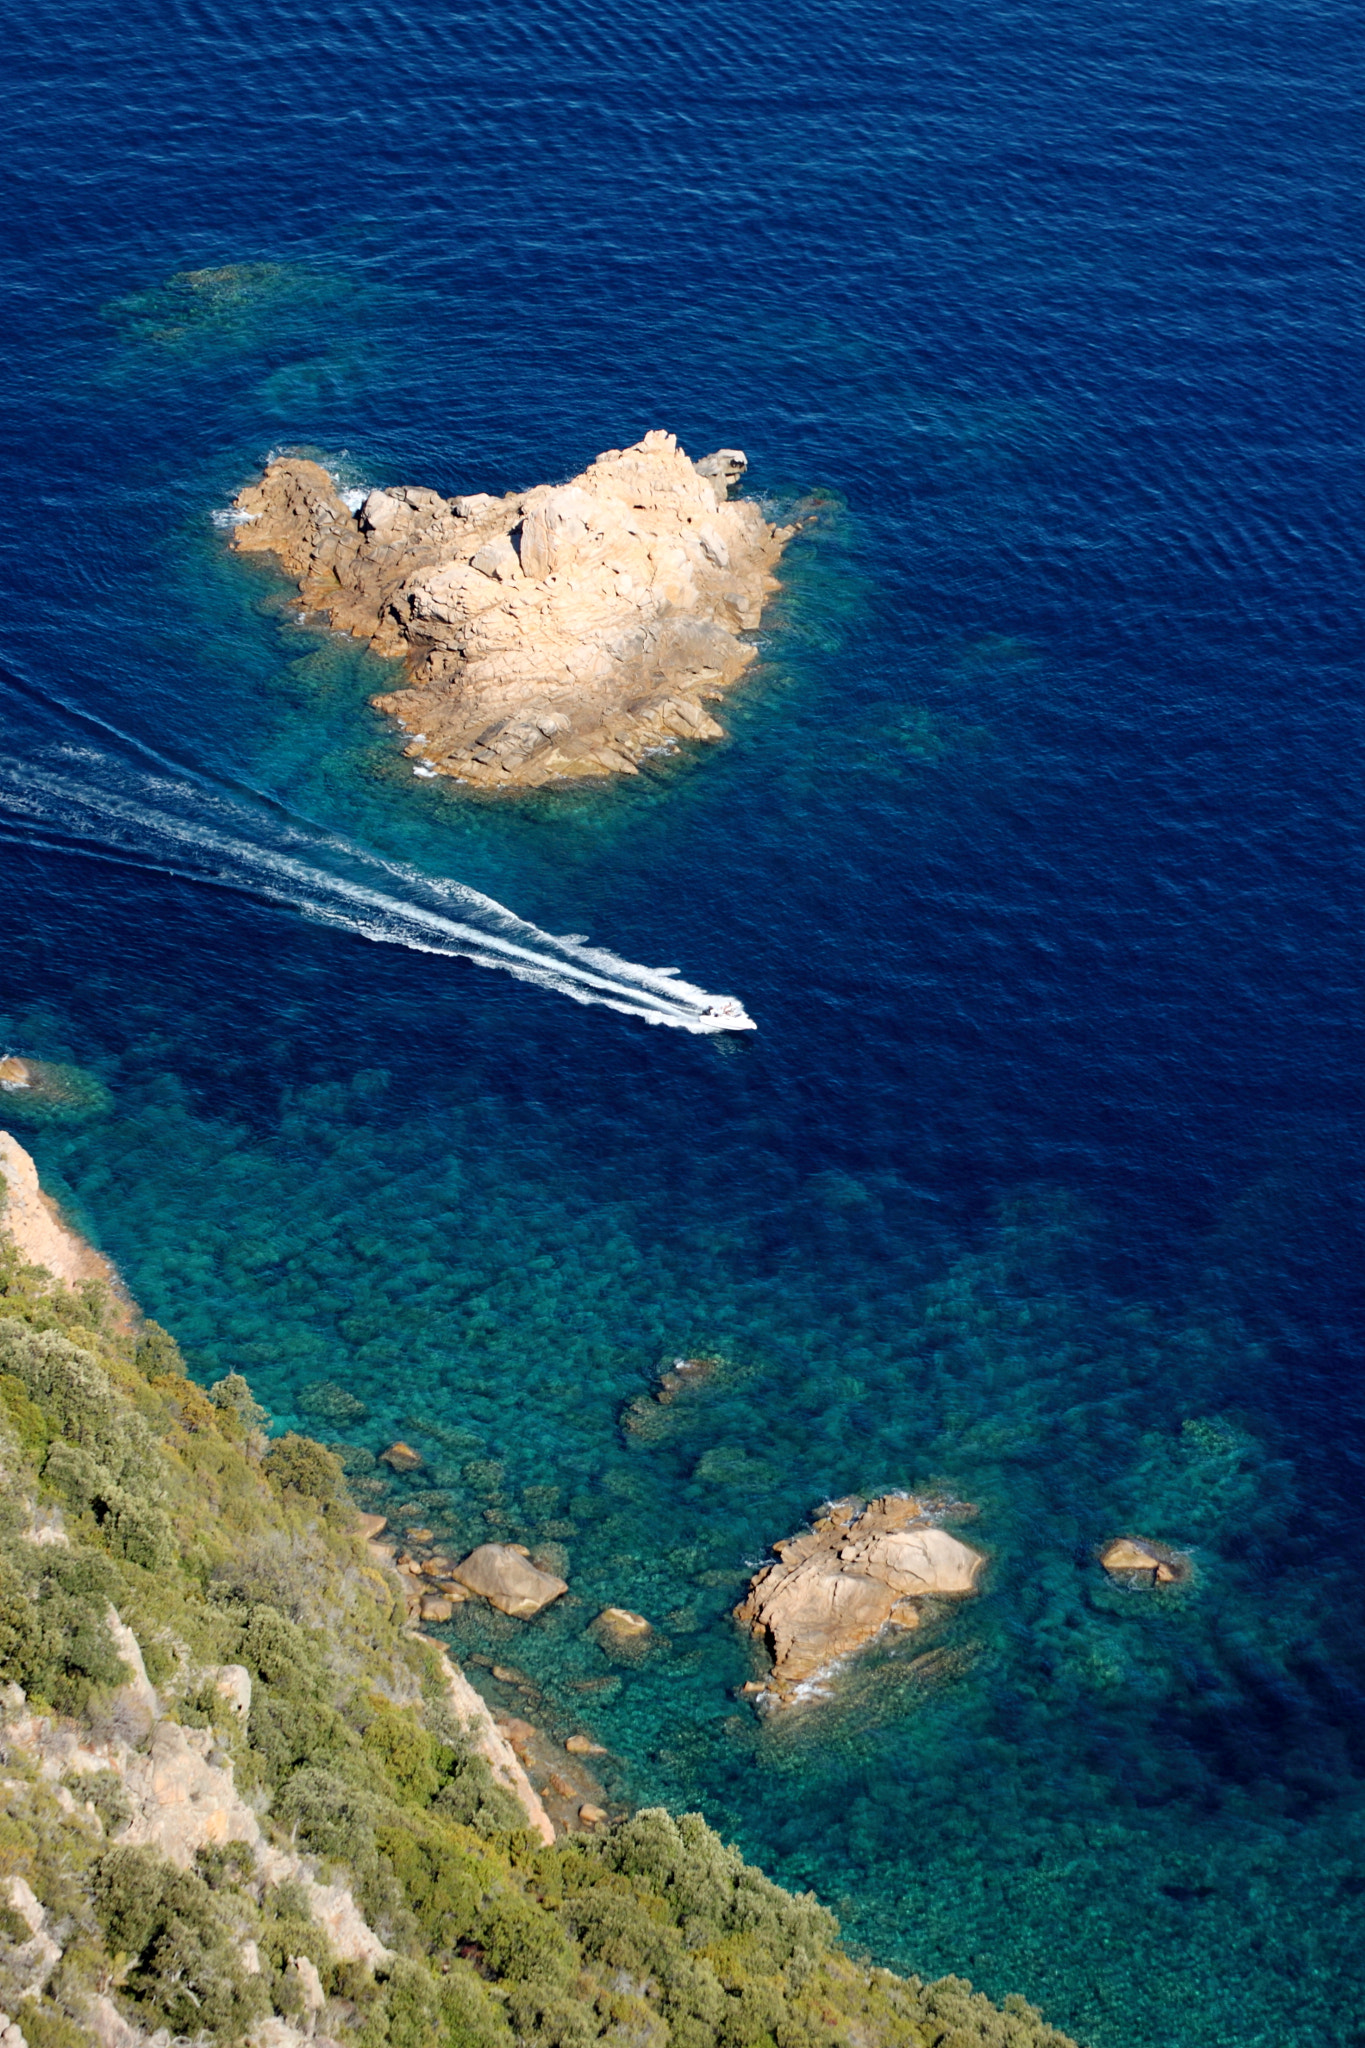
x=1035 y=849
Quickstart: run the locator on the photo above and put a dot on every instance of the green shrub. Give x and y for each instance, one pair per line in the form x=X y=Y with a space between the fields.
x=521 y=1940
x=158 y=1355
x=330 y=1815
x=54 y=1633
x=297 y=1462
x=186 y=1970
x=233 y=1395
x=408 y=1756
x=106 y=1792
x=25 y=1417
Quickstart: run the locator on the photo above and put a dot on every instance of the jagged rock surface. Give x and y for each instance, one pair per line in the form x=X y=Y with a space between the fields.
x=494 y=1746
x=839 y=1583
x=560 y=632
x=183 y=1798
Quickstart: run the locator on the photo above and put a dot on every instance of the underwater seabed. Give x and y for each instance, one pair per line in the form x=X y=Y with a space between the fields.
x=1095 y=1794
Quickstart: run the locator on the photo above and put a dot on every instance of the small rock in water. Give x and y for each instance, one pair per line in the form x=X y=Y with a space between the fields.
x=507 y=1580
x=591 y=1816
x=401 y=1457
x=620 y=1621
x=371 y=1526
x=1133 y=1559
x=14 y=1074
x=582 y=1745
x=561 y=632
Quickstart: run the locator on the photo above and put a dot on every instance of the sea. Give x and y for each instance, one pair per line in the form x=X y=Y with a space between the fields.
x=1035 y=848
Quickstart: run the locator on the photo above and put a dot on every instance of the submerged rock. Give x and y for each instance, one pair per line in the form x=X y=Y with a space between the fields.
x=51 y=1091
x=622 y=1621
x=401 y=1457
x=507 y=1579
x=836 y=1586
x=560 y=632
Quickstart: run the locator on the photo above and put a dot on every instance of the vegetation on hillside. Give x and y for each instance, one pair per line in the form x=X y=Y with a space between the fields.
x=219 y=1547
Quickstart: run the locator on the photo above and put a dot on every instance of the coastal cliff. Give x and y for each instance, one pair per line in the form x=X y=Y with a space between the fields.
x=552 y=634
x=245 y=1801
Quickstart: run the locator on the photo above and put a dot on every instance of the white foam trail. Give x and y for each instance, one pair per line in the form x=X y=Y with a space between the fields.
x=179 y=826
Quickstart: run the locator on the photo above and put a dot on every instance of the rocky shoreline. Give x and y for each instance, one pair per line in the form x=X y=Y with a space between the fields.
x=250 y=1803
x=549 y=635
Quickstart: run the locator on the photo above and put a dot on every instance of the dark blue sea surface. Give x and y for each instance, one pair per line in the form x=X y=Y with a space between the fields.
x=1035 y=848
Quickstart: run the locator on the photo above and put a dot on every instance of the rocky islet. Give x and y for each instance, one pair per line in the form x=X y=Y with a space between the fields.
x=553 y=634
x=832 y=1589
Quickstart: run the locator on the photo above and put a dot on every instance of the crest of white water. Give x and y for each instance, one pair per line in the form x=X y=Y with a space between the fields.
x=83 y=798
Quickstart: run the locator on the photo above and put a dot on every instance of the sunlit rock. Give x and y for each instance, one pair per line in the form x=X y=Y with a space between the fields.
x=506 y=1579
x=555 y=633
x=857 y=1570
x=1130 y=1558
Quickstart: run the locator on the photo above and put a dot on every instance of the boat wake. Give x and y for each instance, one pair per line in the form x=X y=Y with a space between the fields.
x=75 y=798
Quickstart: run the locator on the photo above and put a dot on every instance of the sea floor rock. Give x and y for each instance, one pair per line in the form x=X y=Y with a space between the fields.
x=401 y=1457
x=856 y=1571
x=552 y=634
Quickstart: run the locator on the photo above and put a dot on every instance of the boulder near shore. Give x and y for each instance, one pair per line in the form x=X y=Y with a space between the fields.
x=857 y=1570
x=551 y=634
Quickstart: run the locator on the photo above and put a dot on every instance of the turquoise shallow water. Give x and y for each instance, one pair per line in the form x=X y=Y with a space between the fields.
x=1034 y=851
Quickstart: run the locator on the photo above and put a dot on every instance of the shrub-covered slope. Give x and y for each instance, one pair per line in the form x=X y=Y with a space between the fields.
x=125 y=1487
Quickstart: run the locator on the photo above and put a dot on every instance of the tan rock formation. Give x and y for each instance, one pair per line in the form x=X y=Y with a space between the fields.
x=232 y=1683
x=401 y=1457
x=34 y=1222
x=503 y=1576
x=622 y=1621
x=841 y=1582
x=1130 y=1558
x=556 y=633
x=138 y=1696
x=30 y=1963
x=493 y=1745
x=183 y=1799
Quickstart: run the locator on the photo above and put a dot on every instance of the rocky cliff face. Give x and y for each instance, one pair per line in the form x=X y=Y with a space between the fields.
x=556 y=633
x=34 y=1223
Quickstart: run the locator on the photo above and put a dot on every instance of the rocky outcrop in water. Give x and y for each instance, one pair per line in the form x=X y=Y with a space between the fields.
x=1134 y=1561
x=551 y=634
x=833 y=1588
x=505 y=1577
